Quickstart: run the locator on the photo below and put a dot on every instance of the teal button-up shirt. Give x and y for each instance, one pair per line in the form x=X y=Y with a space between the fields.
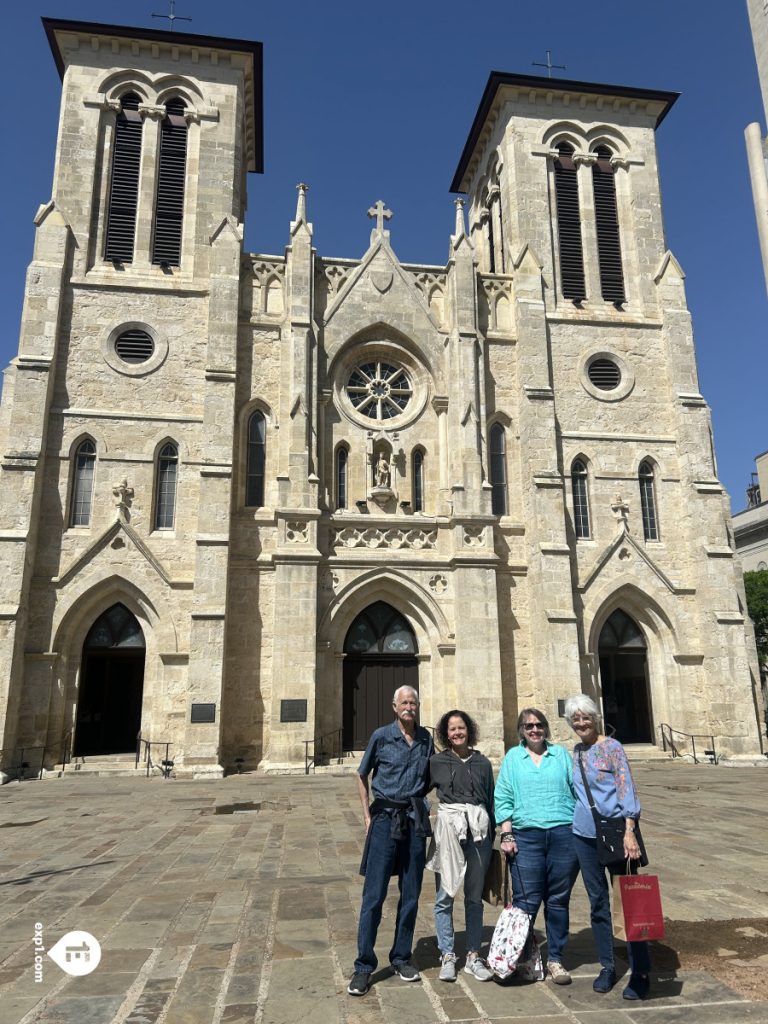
x=535 y=796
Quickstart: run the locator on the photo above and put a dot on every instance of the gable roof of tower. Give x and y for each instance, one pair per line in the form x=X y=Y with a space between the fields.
x=498 y=79
x=249 y=48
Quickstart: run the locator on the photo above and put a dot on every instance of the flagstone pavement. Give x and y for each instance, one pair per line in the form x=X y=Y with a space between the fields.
x=210 y=913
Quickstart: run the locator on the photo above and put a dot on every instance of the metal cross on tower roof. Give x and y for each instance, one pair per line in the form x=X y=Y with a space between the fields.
x=549 y=65
x=171 y=16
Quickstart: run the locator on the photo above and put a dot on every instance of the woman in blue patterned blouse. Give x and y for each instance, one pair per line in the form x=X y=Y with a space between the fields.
x=534 y=803
x=614 y=795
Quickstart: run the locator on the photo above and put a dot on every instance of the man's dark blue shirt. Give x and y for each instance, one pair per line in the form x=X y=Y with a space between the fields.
x=399 y=769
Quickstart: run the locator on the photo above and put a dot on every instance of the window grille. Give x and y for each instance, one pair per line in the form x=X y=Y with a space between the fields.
x=498 y=465
x=607 y=224
x=82 y=484
x=257 y=452
x=169 y=203
x=165 y=494
x=124 y=182
x=569 y=225
x=604 y=374
x=417 y=489
x=648 y=502
x=580 y=499
x=342 y=456
x=134 y=346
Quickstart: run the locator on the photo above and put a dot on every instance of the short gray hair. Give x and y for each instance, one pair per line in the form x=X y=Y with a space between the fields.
x=401 y=689
x=583 y=705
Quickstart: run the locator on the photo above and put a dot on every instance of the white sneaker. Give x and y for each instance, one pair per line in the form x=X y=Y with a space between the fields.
x=558 y=973
x=477 y=968
x=448 y=967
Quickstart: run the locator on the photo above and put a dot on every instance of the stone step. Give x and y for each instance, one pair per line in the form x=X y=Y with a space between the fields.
x=108 y=765
x=638 y=752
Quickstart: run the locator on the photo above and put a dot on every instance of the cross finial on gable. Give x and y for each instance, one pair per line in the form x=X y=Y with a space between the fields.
x=381 y=213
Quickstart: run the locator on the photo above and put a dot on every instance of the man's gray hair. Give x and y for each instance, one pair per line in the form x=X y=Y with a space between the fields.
x=583 y=705
x=404 y=689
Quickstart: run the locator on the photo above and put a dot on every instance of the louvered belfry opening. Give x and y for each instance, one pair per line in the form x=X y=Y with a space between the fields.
x=124 y=183
x=171 y=173
x=569 y=225
x=607 y=223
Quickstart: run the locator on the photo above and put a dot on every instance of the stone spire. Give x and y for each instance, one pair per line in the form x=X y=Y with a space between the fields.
x=301 y=210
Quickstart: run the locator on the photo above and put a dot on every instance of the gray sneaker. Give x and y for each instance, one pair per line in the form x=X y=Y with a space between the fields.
x=477 y=968
x=447 y=967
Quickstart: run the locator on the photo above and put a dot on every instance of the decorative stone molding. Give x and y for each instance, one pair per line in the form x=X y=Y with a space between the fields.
x=329 y=581
x=296 y=531
x=152 y=110
x=473 y=536
x=395 y=539
x=438 y=583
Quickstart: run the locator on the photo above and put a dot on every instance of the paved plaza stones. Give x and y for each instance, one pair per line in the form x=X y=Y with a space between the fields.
x=250 y=915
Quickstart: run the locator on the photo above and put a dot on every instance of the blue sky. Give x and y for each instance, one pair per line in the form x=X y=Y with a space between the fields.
x=370 y=100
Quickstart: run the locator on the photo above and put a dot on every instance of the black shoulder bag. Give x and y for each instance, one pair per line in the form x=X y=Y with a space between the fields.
x=610 y=833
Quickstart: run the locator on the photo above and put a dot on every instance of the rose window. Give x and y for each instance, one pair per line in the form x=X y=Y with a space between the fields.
x=379 y=390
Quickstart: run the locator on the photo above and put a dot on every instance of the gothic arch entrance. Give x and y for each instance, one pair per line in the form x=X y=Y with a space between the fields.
x=380 y=655
x=624 y=679
x=111 y=685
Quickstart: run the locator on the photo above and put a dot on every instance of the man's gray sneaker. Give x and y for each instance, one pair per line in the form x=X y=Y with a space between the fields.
x=359 y=984
x=477 y=968
x=448 y=967
x=406 y=972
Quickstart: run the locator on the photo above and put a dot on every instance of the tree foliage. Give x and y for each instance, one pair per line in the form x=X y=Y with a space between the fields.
x=756 y=585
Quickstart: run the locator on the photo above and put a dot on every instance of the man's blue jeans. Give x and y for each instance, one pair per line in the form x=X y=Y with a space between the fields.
x=383 y=852
x=543 y=871
x=478 y=856
x=596 y=884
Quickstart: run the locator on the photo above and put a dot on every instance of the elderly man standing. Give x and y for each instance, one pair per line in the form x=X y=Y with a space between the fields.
x=396 y=826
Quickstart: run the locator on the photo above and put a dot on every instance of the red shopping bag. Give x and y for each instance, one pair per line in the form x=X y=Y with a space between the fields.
x=637 y=913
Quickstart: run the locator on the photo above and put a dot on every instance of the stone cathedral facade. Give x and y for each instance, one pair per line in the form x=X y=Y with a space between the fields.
x=244 y=496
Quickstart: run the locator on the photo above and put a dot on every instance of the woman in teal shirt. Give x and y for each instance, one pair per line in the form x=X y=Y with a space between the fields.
x=534 y=801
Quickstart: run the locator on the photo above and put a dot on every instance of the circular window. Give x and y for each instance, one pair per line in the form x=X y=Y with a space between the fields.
x=134 y=349
x=134 y=346
x=379 y=390
x=604 y=374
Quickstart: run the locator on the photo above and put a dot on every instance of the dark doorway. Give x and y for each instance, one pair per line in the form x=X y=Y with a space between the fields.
x=380 y=650
x=624 y=679
x=111 y=685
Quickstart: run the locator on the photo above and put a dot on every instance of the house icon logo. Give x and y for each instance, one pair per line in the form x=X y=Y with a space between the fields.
x=77 y=953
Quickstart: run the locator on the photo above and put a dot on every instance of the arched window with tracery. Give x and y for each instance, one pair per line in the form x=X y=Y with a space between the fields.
x=124 y=182
x=580 y=488
x=171 y=176
x=607 y=225
x=165 y=486
x=569 y=224
x=342 y=460
x=498 y=468
x=648 y=501
x=256 y=460
x=82 y=484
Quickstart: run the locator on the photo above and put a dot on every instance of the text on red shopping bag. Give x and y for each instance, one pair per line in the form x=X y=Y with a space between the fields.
x=637 y=913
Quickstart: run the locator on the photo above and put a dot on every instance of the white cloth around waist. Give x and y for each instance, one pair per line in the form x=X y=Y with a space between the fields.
x=453 y=826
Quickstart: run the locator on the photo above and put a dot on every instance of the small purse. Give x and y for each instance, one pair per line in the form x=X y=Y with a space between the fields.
x=610 y=832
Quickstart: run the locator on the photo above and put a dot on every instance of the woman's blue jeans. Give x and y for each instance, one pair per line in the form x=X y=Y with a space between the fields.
x=543 y=871
x=478 y=857
x=596 y=884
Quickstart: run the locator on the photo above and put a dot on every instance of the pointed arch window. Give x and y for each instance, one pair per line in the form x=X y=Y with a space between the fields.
x=607 y=224
x=124 y=182
x=171 y=175
x=648 y=501
x=82 y=484
x=165 y=486
x=498 y=467
x=417 y=486
x=342 y=460
x=569 y=224
x=257 y=454
x=579 y=486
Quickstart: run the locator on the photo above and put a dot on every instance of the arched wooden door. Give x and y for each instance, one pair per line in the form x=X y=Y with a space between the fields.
x=624 y=679
x=111 y=685
x=380 y=649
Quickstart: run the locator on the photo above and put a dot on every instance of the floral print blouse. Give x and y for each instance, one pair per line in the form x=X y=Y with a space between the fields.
x=609 y=777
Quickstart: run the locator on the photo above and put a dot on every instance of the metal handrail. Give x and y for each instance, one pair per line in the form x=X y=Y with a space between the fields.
x=19 y=760
x=66 y=757
x=166 y=764
x=668 y=742
x=336 y=750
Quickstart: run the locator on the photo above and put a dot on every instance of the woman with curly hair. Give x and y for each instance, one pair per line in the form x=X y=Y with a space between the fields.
x=463 y=838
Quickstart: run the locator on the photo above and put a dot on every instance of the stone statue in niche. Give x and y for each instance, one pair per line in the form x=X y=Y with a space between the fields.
x=381 y=472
